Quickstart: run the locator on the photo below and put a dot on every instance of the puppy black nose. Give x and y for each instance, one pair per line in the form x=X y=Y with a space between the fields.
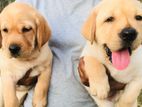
x=14 y=49
x=128 y=34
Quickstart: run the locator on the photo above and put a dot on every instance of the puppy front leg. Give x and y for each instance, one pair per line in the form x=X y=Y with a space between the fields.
x=130 y=94
x=98 y=79
x=41 y=88
x=9 y=91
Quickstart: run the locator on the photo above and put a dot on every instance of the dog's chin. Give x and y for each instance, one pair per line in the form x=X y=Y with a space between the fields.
x=26 y=56
x=109 y=51
x=19 y=56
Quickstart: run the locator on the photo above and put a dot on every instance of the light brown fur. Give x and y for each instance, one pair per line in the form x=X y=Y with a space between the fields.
x=99 y=32
x=26 y=27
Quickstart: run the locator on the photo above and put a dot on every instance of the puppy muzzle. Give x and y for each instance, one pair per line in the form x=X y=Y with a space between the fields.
x=128 y=35
x=14 y=50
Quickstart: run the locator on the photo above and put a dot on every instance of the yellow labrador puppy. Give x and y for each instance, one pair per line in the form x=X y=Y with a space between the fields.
x=114 y=34
x=24 y=55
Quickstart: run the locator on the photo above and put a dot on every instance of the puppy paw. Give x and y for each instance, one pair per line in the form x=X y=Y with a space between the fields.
x=120 y=104
x=125 y=104
x=39 y=102
x=100 y=90
x=117 y=105
x=93 y=91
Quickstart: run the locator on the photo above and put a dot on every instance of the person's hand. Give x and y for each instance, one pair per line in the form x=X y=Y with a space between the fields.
x=114 y=85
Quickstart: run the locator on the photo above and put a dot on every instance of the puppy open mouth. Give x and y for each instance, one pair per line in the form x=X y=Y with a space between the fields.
x=120 y=59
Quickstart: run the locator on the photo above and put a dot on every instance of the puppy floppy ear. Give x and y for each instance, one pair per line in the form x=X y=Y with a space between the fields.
x=89 y=27
x=43 y=31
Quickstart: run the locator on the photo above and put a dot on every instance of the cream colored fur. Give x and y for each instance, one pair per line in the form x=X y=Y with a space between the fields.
x=12 y=70
x=98 y=32
x=24 y=26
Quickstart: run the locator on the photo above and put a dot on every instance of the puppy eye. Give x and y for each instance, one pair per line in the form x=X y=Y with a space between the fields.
x=138 y=17
x=5 y=30
x=110 y=19
x=24 y=29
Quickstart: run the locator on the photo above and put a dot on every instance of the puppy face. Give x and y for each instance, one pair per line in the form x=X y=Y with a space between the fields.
x=23 y=30
x=115 y=25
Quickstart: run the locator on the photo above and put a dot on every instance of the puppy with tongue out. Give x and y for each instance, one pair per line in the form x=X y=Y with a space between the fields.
x=113 y=50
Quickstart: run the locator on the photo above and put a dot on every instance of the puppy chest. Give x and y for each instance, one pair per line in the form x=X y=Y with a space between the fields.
x=127 y=75
x=28 y=80
x=31 y=76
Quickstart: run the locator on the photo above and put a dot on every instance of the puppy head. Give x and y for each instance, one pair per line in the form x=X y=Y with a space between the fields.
x=23 y=30
x=115 y=25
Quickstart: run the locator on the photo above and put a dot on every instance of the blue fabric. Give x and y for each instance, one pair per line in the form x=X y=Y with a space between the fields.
x=65 y=18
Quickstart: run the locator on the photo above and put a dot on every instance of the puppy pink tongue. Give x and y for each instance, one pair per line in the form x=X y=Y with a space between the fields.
x=121 y=59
